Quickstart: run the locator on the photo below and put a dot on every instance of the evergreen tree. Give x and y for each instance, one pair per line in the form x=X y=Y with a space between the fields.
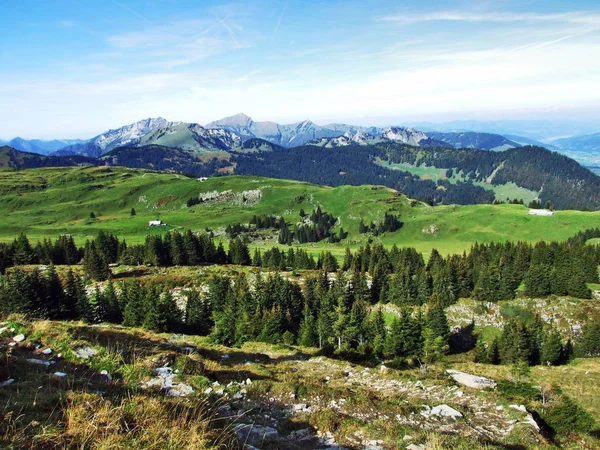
x=494 y=352
x=438 y=323
x=589 y=343
x=135 y=306
x=22 y=251
x=481 y=352
x=434 y=347
x=53 y=295
x=132 y=212
x=113 y=308
x=198 y=318
x=340 y=323
x=307 y=334
x=72 y=291
x=552 y=349
x=379 y=334
x=94 y=263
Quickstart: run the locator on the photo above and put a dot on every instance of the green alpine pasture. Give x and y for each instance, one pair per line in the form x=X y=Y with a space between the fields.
x=503 y=192
x=44 y=203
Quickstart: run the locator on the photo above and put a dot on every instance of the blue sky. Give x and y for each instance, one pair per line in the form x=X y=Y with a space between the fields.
x=77 y=68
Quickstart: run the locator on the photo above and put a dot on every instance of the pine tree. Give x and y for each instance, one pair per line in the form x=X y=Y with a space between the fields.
x=379 y=333
x=101 y=308
x=357 y=323
x=53 y=295
x=481 y=352
x=434 y=347
x=135 y=307
x=494 y=352
x=307 y=334
x=68 y=309
x=197 y=314
x=552 y=349
x=113 y=308
x=22 y=251
x=340 y=323
x=537 y=281
x=438 y=323
x=132 y=212
x=588 y=344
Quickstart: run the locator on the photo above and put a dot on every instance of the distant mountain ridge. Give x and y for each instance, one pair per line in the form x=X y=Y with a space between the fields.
x=230 y=134
x=42 y=147
x=105 y=142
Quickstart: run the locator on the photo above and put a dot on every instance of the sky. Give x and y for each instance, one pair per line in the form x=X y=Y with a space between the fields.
x=72 y=69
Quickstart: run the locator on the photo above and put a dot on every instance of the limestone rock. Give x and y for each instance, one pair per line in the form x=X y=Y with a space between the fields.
x=85 y=352
x=472 y=381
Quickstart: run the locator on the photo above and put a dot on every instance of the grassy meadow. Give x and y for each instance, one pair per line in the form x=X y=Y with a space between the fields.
x=44 y=203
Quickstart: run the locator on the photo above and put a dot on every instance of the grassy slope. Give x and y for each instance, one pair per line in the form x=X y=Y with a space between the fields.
x=47 y=202
x=43 y=411
x=502 y=191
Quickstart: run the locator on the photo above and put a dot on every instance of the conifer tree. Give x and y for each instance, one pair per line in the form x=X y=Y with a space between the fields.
x=197 y=314
x=68 y=308
x=101 y=308
x=307 y=334
x=379 y=333
x=113 y=308
x=53 y=295
x=135 y=306
x=22 y=251
x=494 y=352
x=340 y=323
x=552 y=349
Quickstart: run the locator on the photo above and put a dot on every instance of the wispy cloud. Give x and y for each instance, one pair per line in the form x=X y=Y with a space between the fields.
x=183 y=42
x=279 y=21
x=492 y=17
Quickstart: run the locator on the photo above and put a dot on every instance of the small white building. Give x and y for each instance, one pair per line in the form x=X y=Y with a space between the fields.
x=156 y=223
x=202 y=179
x=540 y=212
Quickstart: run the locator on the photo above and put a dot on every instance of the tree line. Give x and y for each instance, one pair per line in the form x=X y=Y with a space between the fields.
x=333 y=313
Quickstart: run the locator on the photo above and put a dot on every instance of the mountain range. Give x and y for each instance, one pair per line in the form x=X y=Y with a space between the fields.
x=230 y=133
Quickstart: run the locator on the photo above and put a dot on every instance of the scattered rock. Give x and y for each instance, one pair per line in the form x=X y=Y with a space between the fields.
x=85 y=352
x=417 y=447
x=432 y=229
x=441 y=411
x=7 y=382
x=208 y=391
x=472 y=381
x=164 y=380
x=38 y=362
x=19 y=338
x=255 y=434
x=60 y=374
x=248 y=381
x=518 y=408
x=47 y=351
x=383 y=368
x=2 y=330
x=106 y=374
x=301 y=435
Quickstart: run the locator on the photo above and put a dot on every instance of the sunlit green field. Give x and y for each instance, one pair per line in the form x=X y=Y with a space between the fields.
x=44 y=203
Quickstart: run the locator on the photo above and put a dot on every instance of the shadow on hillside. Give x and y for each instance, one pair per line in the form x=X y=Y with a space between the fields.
x=135 y=273
x=462 y=339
